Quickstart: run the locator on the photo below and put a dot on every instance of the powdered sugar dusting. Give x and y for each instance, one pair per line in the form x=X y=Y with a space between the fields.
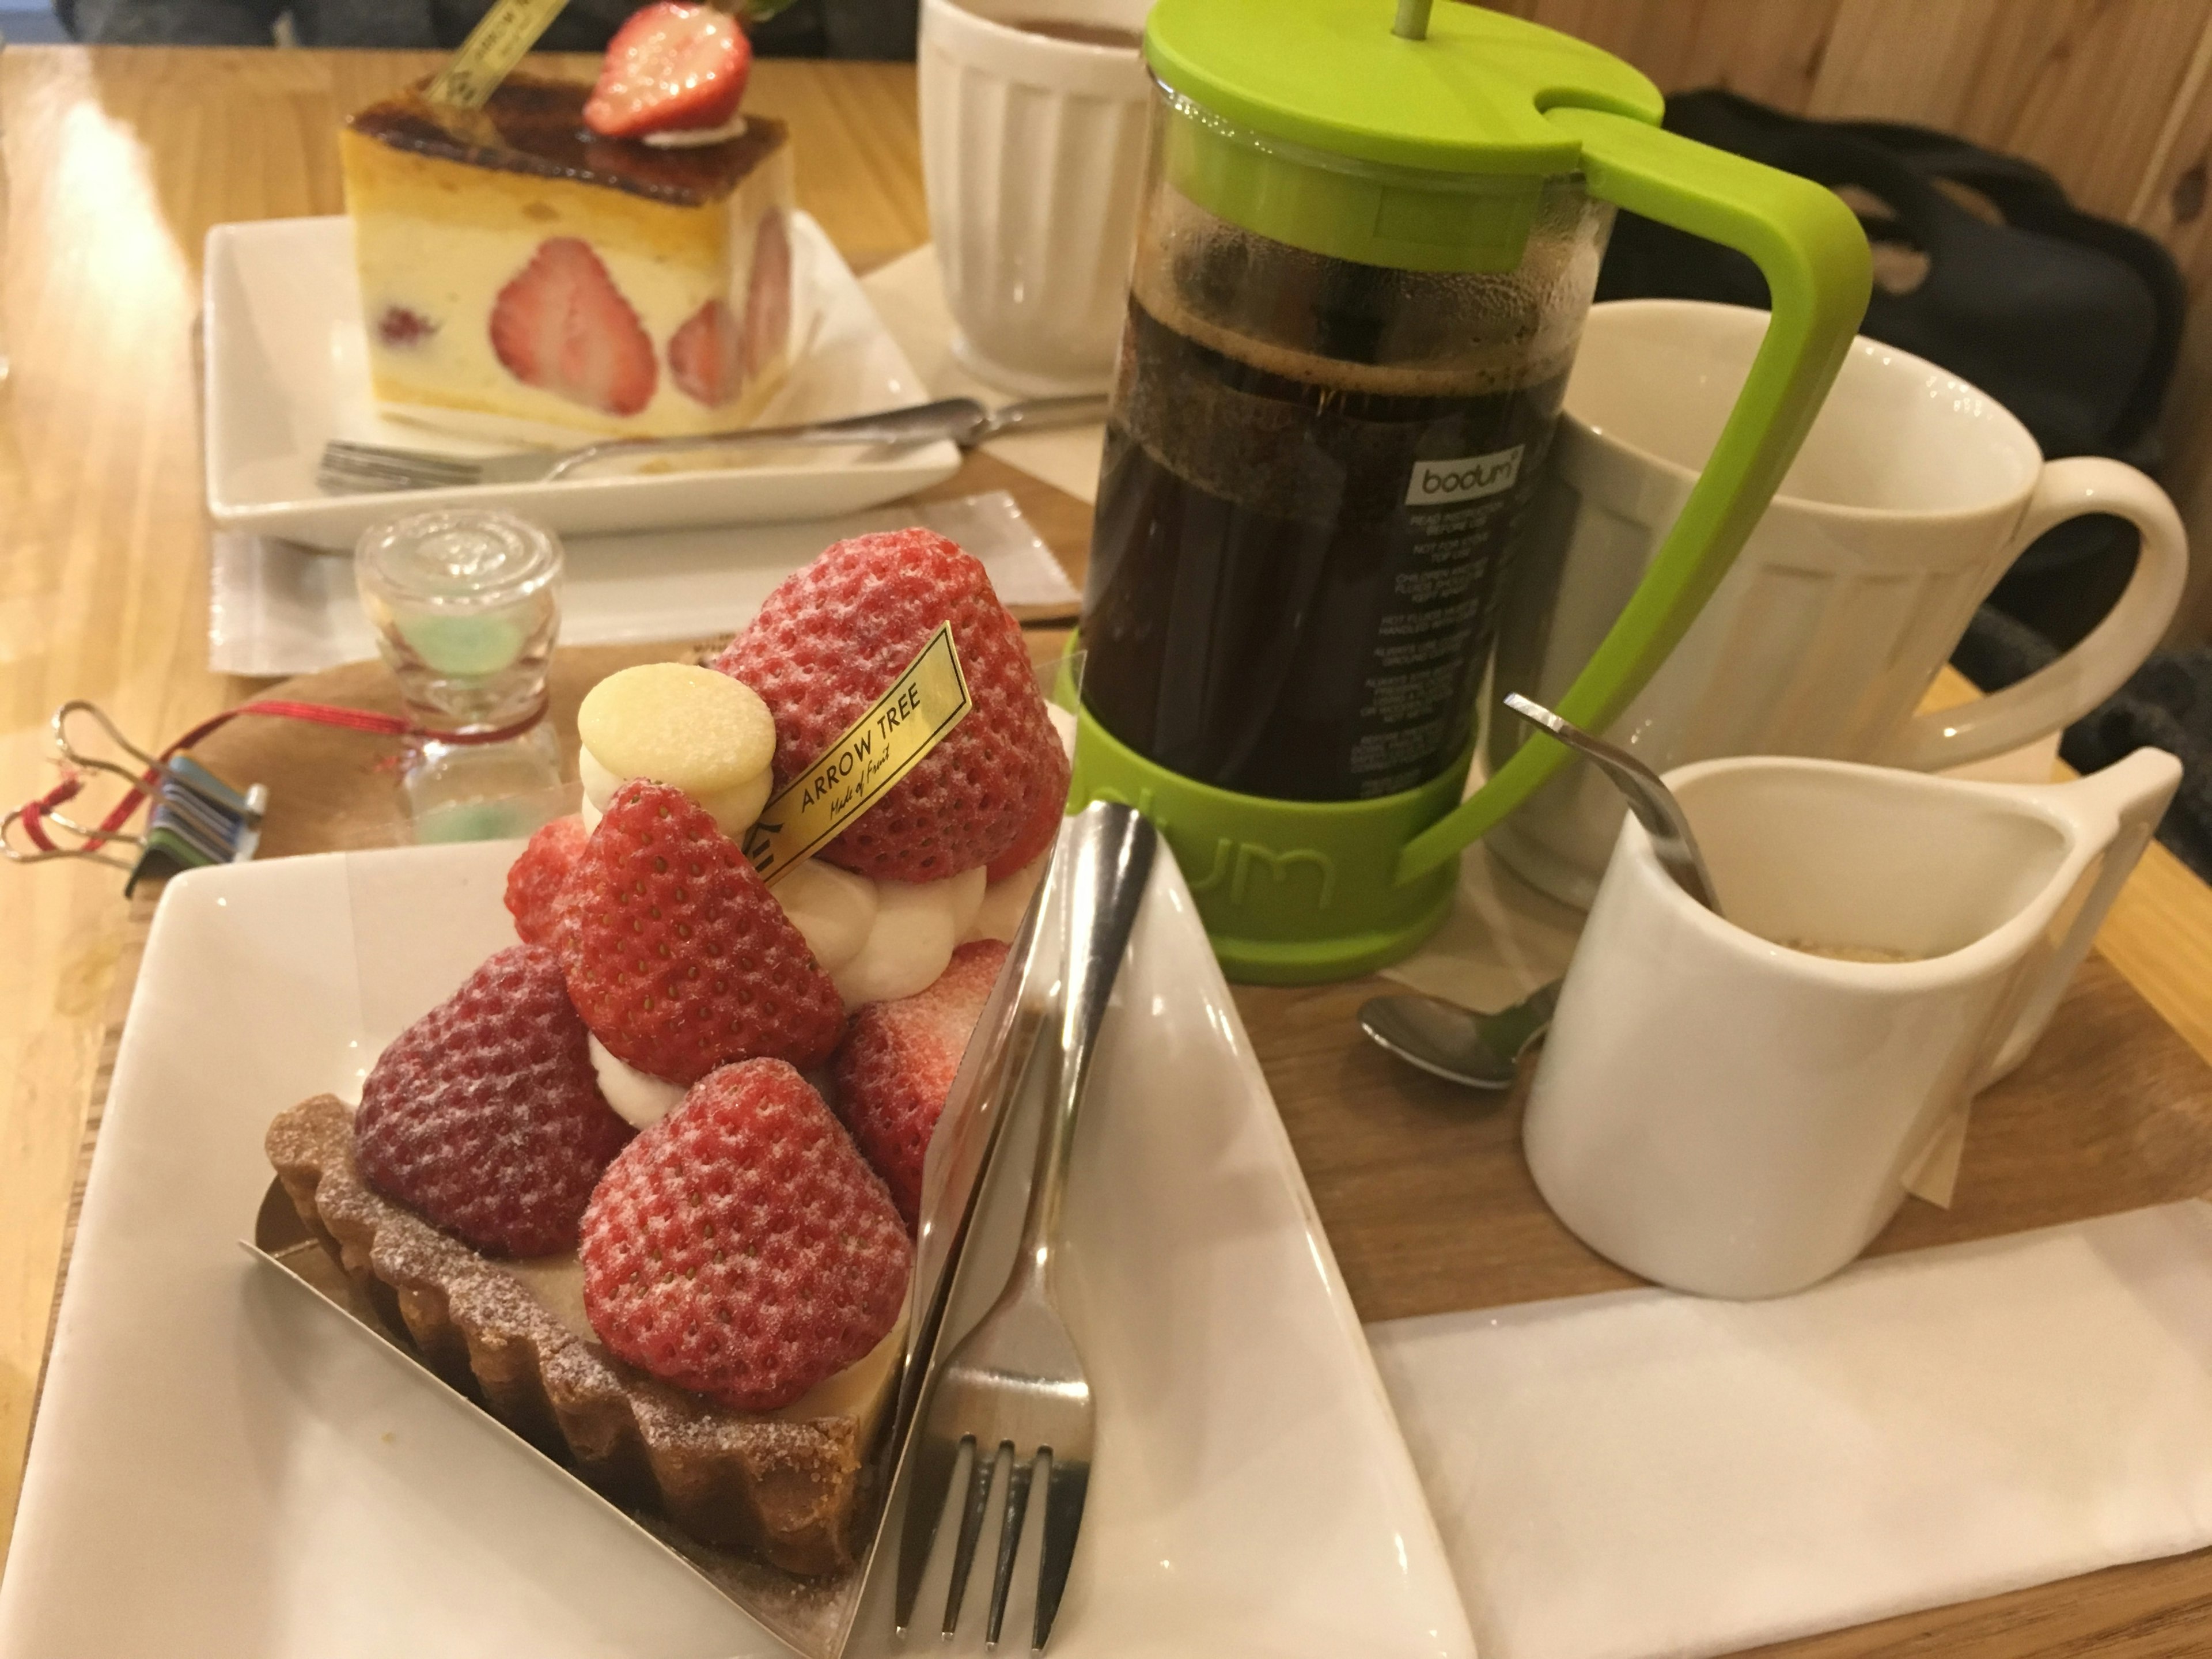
x=484 y=1115
x=740 y=1248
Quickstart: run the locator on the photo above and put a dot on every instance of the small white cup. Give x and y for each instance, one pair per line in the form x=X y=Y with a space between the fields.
x=1033 y=156
x=1913 y=493
x=1733 y=1117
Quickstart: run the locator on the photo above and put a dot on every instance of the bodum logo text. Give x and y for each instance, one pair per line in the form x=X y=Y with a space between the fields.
x=1437 y=483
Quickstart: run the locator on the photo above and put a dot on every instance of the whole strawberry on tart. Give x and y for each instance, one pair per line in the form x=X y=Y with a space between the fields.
x=616 y=256
x=645 y=1183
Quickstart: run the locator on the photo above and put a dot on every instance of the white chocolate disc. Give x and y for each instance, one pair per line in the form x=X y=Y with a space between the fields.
x=833 y=909
x=677 y=724
x=734 y=810
x=639 y=1099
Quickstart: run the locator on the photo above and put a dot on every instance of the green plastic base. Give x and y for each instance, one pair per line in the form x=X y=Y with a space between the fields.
x=1291 y=892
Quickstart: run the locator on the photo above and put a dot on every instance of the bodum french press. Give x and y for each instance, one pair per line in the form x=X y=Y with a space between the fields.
x=1368 y=242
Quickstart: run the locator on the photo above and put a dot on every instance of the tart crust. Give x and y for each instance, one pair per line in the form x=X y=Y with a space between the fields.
x=788 y=1491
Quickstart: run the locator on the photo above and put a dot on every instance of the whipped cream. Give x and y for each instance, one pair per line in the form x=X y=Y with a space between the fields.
x=695 y=138
x=999 y=915
x=966 y=890
x=909 y=944
x=878 y=941
x=639 y=1099
x=834 y=910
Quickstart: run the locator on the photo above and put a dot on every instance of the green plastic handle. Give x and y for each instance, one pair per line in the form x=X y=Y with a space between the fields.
x=1818 y=274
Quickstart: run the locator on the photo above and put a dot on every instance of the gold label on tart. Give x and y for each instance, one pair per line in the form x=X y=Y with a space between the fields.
x=501 y=40
x=879 y=749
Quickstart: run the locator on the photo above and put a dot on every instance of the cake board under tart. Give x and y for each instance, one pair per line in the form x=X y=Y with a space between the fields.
x=806 y=1613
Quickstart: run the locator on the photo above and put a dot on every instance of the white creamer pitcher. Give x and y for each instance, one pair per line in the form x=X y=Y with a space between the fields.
x=1718 y=1108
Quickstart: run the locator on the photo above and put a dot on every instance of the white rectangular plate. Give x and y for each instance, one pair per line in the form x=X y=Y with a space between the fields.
x=288 y=370
x=223 y=1465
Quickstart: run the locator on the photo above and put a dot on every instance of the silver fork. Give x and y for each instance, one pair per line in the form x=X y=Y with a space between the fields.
x=1015 y=1383
x=357 y=468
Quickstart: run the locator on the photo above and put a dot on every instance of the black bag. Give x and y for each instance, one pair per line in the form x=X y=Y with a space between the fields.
x=2072 y=322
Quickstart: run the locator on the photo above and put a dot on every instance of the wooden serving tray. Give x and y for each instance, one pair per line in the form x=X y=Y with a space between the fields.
x=1420 y=1183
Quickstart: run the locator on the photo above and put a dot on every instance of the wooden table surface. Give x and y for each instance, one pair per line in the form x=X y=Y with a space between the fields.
x=120 y=161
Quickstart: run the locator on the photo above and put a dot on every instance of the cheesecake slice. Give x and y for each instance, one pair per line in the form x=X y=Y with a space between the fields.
x=786 y=1486
x=519 y=272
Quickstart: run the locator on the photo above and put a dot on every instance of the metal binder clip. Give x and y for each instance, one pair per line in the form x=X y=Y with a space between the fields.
x=197 y=819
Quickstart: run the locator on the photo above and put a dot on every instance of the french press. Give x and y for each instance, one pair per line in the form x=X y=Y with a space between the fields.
x=1367 y=245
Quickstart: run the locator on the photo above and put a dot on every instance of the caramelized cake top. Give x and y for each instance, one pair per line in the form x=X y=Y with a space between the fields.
x=536 y=127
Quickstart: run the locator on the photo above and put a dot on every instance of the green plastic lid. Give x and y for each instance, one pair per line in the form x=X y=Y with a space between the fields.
x=1315 y=123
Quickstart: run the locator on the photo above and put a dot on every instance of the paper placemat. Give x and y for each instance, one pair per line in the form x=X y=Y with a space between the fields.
x=1641 y=1473
x=276 y=608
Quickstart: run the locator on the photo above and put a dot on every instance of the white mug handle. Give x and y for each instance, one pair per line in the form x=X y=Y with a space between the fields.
x=2134 y=794
x=2060 y=693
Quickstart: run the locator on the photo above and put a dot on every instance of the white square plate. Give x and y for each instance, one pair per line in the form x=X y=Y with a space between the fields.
x=288 y=370
x=223 y=1465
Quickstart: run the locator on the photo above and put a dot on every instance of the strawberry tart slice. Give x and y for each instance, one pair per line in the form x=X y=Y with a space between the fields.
x=645 y=1183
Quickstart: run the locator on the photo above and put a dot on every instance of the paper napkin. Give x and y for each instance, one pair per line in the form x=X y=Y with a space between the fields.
x=1643 y=1474
x=276 y=608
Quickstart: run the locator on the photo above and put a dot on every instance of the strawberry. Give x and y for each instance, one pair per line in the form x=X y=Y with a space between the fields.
x=483 y=1116
x=705 y=355
x=1037 y=834
x=399 y=328
x=534 y=879
x=671 y=67
x=835 y=635
x=677 y=957
x=768 y=295
x=897 y=1066
x=562 y=325
x=740 y=1248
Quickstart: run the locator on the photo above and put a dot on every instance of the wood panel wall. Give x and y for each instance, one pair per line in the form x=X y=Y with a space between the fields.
x=2114 y=97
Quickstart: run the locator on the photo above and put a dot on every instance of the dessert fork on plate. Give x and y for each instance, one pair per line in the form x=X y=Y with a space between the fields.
x=360 y=468
x=1015 y=1383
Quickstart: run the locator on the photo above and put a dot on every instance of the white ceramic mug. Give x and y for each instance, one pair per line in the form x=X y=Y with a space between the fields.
x=1911 y=495
x=1733 y=1116
x=1033 y=156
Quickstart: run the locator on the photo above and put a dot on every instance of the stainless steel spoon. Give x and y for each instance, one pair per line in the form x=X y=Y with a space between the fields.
x=1454 y=1043
x=1480 y=1050
x=1653 y=803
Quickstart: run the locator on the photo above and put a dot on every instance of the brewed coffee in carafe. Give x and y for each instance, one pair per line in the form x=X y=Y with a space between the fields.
x=1314 y=472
